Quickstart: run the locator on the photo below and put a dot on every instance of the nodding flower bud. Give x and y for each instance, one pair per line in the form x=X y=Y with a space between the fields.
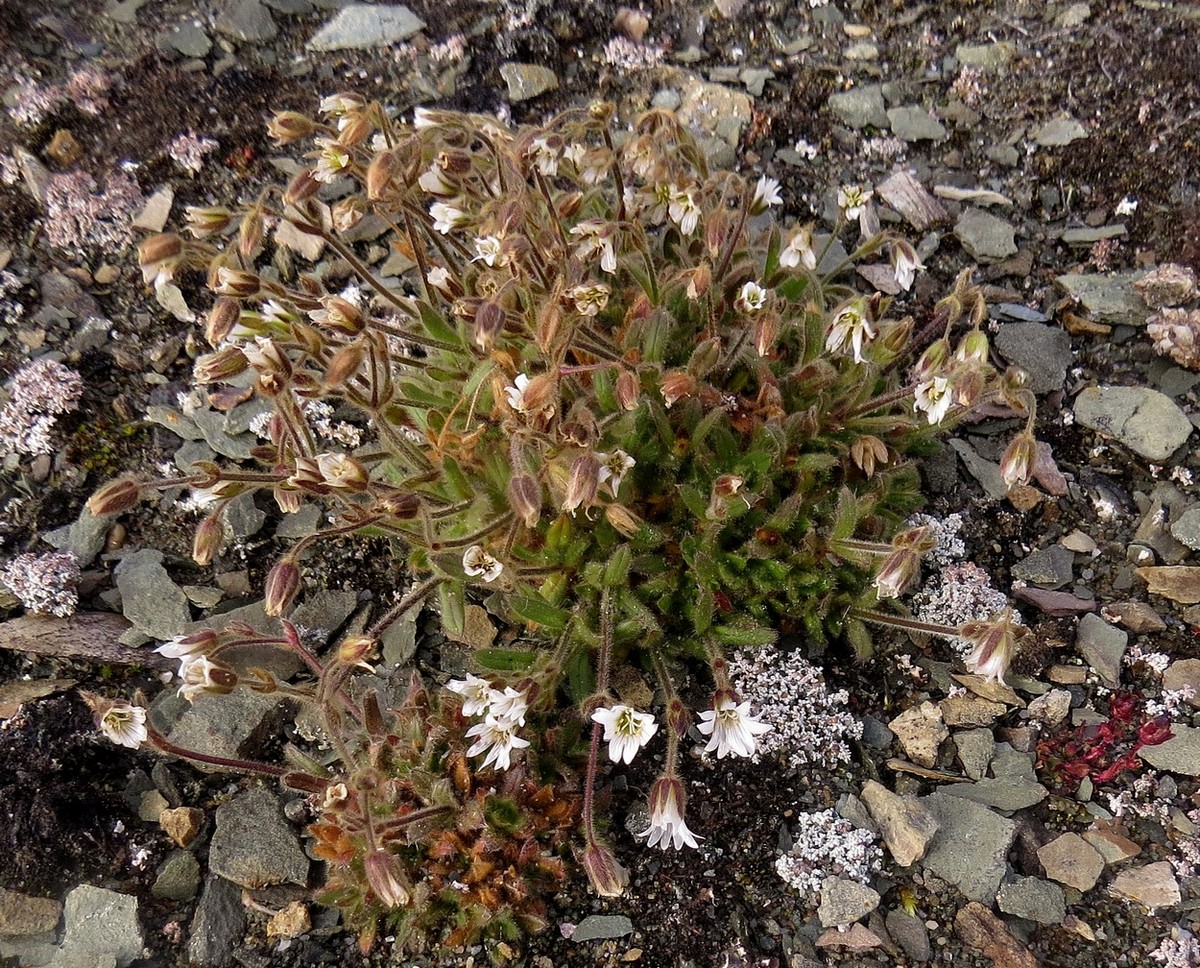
x=283 y=584
x=628 y=390
x=973 y=348
x=525 y=496
x=699 y=281
x=995 y=643
x=355 y=648
x=705 y=357
x=607 y=876
x=932 y=362
x=302 y=187
x=582 y=483
x=220 y=365
x=386 y=878
x=766 y=333
x=489 y=322
x=159 y=248
x=676 y=386
x=344 y=364
x=347 y=213
x=339 y=315
x=203 y=222
x=568 y=204
x=287 y=127
x=1016 y=466
x=623 y=520
x=207 y=541
x=381 y=172
x=867 y=451
x=400 y=504
x=115 y=497
x=234 y=282
x=902 y=566
x=221 y=319
x=250 y=233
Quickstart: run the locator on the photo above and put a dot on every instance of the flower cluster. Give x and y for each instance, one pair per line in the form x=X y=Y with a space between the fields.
x=503 y=711
x=46 y=584
x=826 y=845
x=38 y=394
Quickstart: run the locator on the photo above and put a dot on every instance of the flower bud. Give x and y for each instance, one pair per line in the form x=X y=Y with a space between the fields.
x=628 y=390
x=932 y=362
x=283 y=583
x=867 y=451
x=386 y=878
x=344 y=364
x=219 y=365
x=1016 y=466
x=304 y=185
x=340 y=315
x=582 y=483
x=676 y=386
x=705 y=357
x=343 y=472
x=525 y=496
x=205 y=221
x=995 y=643
x=623 y=520
x=489 y=322
x=973 y=348
x=207 y=541
x=115 y=497
x=222 y=318
x=568 y=205
x=159 y=248
x=549 y=323
x=234 y=282
x=287 y=499
x=250 y=233
x=380 y=173
x=346 y=213
x=355 y=648
x=354 y=129
x=766 y=333
x=400 y=504
x=287 y=127
x=607 y=876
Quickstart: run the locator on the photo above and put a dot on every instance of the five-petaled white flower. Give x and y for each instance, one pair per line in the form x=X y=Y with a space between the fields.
x=476 y=693
x=683 y=210
x=905 y=264
x=766 y=194
x=613 y=468
x=625 y=730
x=446 y=217
x=545 y=157
x=332 y=160
x=751 y=297
x=179 y=649
x=934 y=398
x=589 y=300
x=196 y=674
x=479 y=564
x=509 y=705
x=667 y=826
x=434 y=181
x=490 y=250
x=852 y=199
x=124 y=724
x=731 y=728
x=850 y=326
x=499 y=738
x=594 y=237
x=439 y=277
x=799 y=251
x=515 y=394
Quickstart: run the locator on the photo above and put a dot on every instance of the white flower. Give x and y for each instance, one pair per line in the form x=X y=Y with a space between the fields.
x=508 y=706
x=332 y=160
x=177 y=648
x=850 y=326
x=594 y=237
x=613 y=468
x=124 y=724
x=479 y=564
x=1126 y=206
x=499 y=739
x=335 y=794
x=196 y=674
x=439 y=277
x=434 y=182
x=336 y=105
x=766 y=194
x=625 y=730
x=489 y=249
x=683 y=210
x=515 y=395
x=589 y=300
x=423 y=118
x=751 y=297
x=799 y=251
x=476 y=693
x=905 y=263
x=574 y=153
x=446 y=217
x=545 y=157
x=731 y=728
x=852 y=199
x=667 y=826
x=934 y=398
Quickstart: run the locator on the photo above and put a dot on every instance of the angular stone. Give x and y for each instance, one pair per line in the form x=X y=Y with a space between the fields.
x=1003 y=793
x=971 y=846
x=985 y=237
x=1153 y=885
x=154 y=214
x=980 y=928
x=1110 y=299
x=21 y=914
x=527 y=81
x=1059 y=132
x=359 y=26
x=988 y=57
x=1180 y=583
x=1043 y=352
x=1083 y=237
x=1170 y=284
x=1179 y=754
x=1071 y=860
x=178 y=877
x=858 y=938
x=1181 y=674
x=188 y=39
x=911 y=122
x=714 y=109
x=99 y=925
x=906 y=825
x=246 y=20
x=860 y=107
x=1103 y=647
x=181 y=824
x=155 y=605
x=903 y=192
x=1033 y=899
x=920 y=731
x=596 y=927
x=975 y=748
x=970 y=711
x=1147 y=422
x=1187 y=528
x=1051 y=707
x=910 y=934
x=844 y=901
x=232 y=725
x=253 y=845
x=293 y=921
x=218 y=925
x=1114 y=847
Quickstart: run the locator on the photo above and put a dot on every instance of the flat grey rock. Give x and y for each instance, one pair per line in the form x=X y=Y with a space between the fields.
x=229 y=726
x=1108 y=298
x=1050 y=567
x=218 y=924
x=844 y=901
x=1181 y=673
x=1103 y=647
x=975 y=749
x=1086 y=236
x=984 y=471
x=527 y=81
x=971 y=845
x=360 y=26
x=1180 y=754
x=246 y=20
x=84 y=538
x=1033 y=899
x=1187 y=528
x=985 y=237
x=1003 y=793
x=155 y=605
x=1147 y=422
x=178 y=877
x=1044 y=352
x=988 y=57
x=911 y=122
x=188 y=39
x=100 y=926
x=597 y=927
x=860 y=107
x=253 y=845
x=910 y=934
x=1058 y=132
x=906 y=825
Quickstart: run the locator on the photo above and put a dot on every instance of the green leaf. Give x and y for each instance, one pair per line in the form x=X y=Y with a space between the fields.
x=658 y=338
x=744 y=634
x=581 y=678
x=616 y=571
x=531 y=607
x=505 y=660
x=453 y=601
x=793 y=287
x=459 y=485
x=437 y=327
